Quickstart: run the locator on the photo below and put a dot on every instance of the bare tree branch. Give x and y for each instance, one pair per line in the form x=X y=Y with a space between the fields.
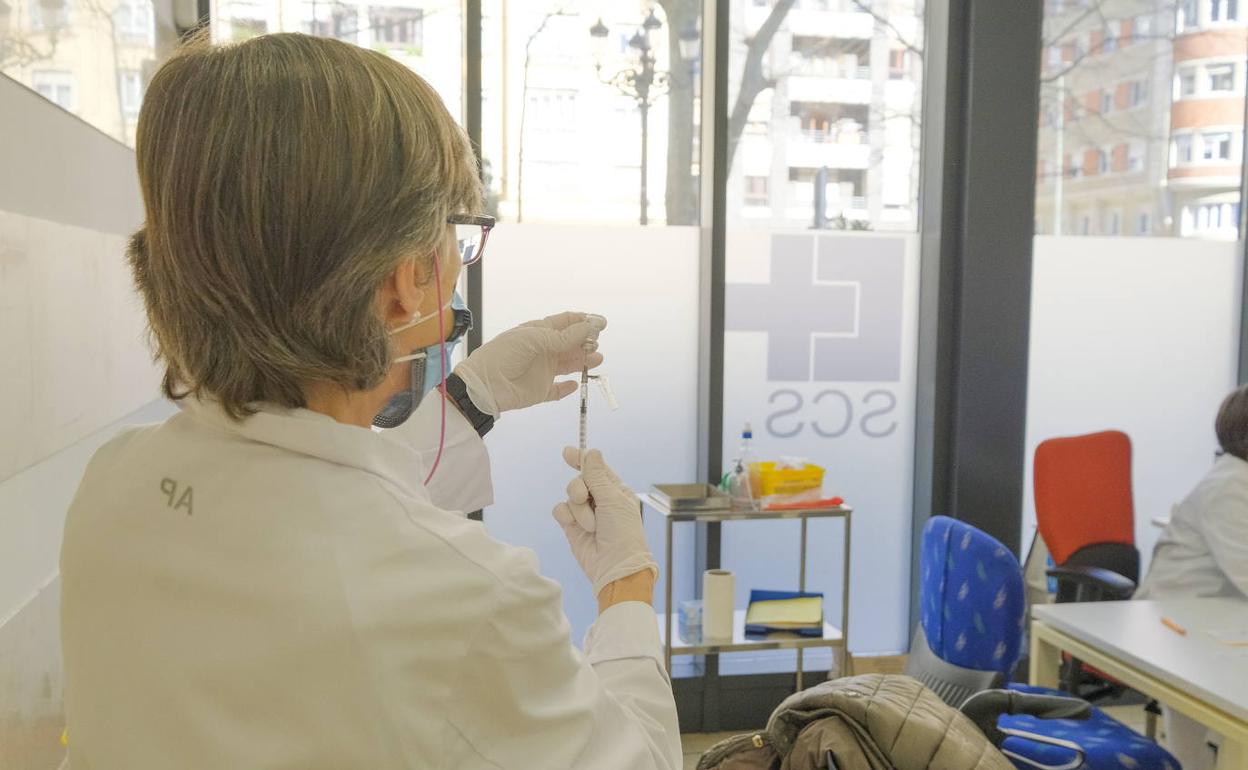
x=753 y=80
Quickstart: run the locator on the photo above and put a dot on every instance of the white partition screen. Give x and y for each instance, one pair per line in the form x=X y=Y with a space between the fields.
x=645 y=281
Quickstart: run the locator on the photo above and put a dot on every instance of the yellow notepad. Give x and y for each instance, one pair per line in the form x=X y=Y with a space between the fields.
x=802 y=611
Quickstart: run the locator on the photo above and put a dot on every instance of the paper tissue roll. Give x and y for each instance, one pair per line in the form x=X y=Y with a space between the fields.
x=717 y=587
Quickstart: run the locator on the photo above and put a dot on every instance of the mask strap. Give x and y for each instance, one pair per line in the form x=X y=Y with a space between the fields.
x=413 y=357
x=420 y=319
x=437 y=275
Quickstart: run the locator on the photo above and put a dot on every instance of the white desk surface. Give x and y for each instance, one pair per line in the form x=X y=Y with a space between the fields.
x=1132 y=632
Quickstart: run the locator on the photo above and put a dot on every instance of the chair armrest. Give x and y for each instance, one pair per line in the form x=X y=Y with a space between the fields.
x=986 y=707
x=1094 y=583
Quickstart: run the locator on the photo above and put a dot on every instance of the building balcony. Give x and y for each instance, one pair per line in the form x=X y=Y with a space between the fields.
x=810 y=148
x=831 y=18
x=804 y=88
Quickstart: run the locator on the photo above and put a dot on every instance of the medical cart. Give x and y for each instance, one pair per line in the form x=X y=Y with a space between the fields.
x=834 y=637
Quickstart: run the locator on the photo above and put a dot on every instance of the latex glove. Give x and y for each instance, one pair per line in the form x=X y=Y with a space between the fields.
x=613 y=545
x=518 y=367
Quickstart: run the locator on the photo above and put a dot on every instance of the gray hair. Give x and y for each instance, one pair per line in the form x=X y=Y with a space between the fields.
x=284 y=178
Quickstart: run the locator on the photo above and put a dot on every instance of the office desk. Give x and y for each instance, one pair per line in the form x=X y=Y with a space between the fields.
x=1193 y=674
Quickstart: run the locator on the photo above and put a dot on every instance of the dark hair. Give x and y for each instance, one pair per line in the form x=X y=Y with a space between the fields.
x=1232 y=423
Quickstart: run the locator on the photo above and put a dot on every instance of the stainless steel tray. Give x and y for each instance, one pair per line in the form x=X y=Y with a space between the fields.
x=692 y=497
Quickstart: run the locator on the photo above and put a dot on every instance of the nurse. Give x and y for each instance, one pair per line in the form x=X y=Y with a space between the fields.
x=1203 y=552
x=264 y=580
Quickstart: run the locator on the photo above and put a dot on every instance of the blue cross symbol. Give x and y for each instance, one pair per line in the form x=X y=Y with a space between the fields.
x=832 y=311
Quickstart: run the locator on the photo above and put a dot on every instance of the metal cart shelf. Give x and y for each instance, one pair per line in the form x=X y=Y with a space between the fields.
x=833 y=636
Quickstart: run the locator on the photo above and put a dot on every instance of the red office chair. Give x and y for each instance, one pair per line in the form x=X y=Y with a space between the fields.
x=1085 y=513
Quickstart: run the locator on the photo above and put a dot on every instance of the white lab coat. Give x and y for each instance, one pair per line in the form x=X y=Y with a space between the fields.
x=285 y=593
x=1203 y=551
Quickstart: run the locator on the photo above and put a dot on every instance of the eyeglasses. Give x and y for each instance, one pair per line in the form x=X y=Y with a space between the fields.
x=471 y=233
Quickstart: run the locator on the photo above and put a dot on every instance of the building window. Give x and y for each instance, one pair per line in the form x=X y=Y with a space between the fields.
x=1221 y=77
x=756 y=191
x=552 y=109
x=1107 y=102
x=1112 y=31
x=1143 y=26
x=56 y=86
x=1102 y=162
x=133 y=21
x=398 y=26
x=1137 y=93
x=1085 y=225
x=1211 y=219
x=130 y=83
x=899 y=63
x=1216 y=146
x=1181 y=150
x=1115 y=223
x=1223 y=10
x=1142 y=224
x=1187 y=14
x=49 y=14
x=1185 y=83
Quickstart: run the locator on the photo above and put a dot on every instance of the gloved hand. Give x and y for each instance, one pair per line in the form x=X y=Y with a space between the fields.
x=605 y=532
x=518 y=367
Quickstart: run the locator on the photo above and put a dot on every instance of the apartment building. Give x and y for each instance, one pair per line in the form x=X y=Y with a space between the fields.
x=1141 y=118
x=844 y=115
x=91 y=57
x=1104 y=118
x=1207 y=117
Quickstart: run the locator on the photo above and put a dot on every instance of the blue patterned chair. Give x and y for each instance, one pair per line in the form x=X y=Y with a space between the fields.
x=971 y=628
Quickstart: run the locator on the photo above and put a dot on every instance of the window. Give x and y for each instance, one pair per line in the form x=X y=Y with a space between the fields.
x=1221 y=77
x=1112 y=31
x=1102 y=161
x=1217 y=146
x=1181 y=151
x=1185 y=83
x=756 y=191
x=1137 y=93
x=1107 y=102
x=1223 y=10
x=133 y=21
x=56 y=86
x=1143 y=26
x=130 y=85
x=1115 y=223
x=49 y=14
x=1142 y=223
x=1212 y=219
x=551 y=110
x=1085 y=225
x=899 y=63
x=1187 y=14
x=398 y=26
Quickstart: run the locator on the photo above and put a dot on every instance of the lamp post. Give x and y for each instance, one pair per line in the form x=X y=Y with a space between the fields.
x=642 y=82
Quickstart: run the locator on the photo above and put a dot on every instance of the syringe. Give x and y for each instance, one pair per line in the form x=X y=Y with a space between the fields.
x=584 y=437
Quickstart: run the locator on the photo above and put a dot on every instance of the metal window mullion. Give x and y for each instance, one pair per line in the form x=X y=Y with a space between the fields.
x=713 y=163
x=471 y=65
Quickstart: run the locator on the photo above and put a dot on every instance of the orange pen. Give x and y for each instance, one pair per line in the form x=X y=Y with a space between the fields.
x=1175 y=627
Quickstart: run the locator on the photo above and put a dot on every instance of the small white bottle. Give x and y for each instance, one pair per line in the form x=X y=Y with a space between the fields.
x=739 y=485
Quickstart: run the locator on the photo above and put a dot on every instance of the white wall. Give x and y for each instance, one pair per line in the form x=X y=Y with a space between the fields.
x=1139 y=335
x=75 y=368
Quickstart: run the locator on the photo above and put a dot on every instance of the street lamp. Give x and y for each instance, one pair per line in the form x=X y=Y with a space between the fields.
x=640 y=82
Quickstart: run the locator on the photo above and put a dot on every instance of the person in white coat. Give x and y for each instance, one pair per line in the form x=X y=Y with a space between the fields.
x=266 y=581
x=1203 y=552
